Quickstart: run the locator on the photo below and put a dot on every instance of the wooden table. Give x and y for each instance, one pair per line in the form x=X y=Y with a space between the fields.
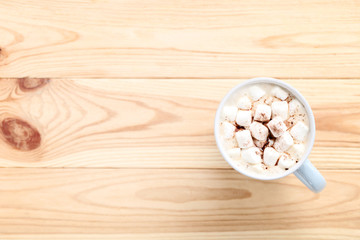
x=125 y=115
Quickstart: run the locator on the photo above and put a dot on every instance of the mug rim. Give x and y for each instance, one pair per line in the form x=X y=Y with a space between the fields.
x=298 y=96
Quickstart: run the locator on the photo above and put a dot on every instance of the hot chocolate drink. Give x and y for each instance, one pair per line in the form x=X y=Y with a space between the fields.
x=264 y=129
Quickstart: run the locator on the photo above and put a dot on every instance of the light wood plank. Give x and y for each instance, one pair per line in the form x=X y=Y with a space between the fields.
x=296 y=234
x=159 y=123
x=112 y=38
x=124 y=201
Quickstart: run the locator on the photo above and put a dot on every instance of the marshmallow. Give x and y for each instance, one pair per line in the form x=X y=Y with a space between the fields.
x=270 y=142
x=244 y=139
x=234 y=153
x=259 y=131
x=294 y=107
x=271 y=156
x=280 y=93
x=291 y=121
x=263 y=113
x=297 y=151
x=269 y=100
x=285 y=161
x=259 y=144
x=244 y=103
x=229 y=130
x=254 y=107
x=243 y=118
x=256 y=93
x=299 y=131
x=230 y=143
x=252 y=155
x=230 y=113
x=277 y=127
x=258 y=168
x=284 y=142
x=280 y=109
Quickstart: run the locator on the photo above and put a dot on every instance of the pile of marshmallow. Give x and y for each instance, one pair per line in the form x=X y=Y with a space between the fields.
x=258 y=125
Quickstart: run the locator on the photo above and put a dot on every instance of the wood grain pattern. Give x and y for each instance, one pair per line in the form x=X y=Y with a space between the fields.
x=124 y=201
x=296 y=234
x=112 y=38
x=114 y=138
x=159 y=123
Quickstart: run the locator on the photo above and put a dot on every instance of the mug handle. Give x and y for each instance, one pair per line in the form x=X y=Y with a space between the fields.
x=310 y=176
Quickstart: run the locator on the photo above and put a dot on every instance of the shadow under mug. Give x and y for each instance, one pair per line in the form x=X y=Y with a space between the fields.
x=303 y=170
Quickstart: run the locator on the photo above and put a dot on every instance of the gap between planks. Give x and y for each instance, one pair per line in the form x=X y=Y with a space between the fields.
x=200 y=78
x=162 y=168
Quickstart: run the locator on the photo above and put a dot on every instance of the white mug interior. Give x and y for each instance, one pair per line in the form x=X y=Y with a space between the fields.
x=233 y=92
